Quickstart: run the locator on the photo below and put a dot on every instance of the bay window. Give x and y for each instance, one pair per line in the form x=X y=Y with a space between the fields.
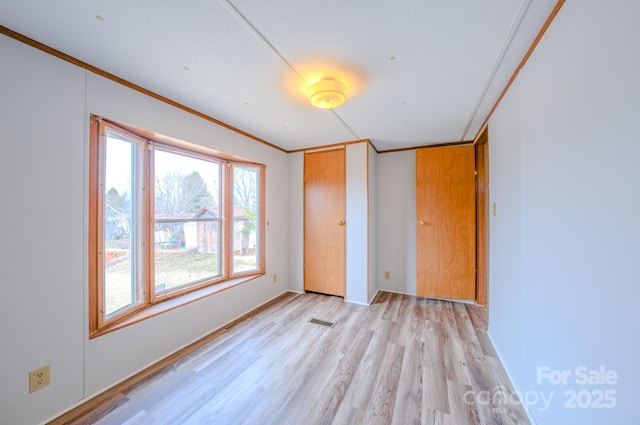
x=169 y=223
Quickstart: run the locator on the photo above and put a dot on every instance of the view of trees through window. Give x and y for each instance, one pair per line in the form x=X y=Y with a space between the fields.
x=186 y=237
x=187 y=231
x=245 y=207
x=121 y=280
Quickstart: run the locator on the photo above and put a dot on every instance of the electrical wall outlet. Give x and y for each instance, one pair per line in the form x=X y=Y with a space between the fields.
x=275 y=278
x=387 y=275
x=39 y=378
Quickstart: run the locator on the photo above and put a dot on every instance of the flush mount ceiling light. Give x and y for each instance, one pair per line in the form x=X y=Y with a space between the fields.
x=327 y=93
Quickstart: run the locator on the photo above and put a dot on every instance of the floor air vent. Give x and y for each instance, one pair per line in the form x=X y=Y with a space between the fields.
x=322 y=322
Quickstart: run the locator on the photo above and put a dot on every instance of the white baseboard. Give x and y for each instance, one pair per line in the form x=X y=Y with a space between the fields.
x=374 y=296
x=395 y=292
x=513 y=383
x=356 y=302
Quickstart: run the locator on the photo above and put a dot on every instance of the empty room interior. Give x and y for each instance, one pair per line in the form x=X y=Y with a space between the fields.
x=334 y=212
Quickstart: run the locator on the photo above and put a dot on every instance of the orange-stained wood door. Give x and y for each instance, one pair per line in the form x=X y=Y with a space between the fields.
x=446 y=222
x=324 y=222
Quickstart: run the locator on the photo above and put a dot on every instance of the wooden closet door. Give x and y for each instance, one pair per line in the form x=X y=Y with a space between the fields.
x=324 y=222
x=446 y=223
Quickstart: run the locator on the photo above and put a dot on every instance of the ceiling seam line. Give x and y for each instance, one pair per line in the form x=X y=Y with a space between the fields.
x=353 y=133
x=503 y=52
x=231 y=8
x=257 y=34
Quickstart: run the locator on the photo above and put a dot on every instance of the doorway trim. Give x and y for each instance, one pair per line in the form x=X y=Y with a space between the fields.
x=482 y=216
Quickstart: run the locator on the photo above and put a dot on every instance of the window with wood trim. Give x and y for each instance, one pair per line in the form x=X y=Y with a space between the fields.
x=169 y=223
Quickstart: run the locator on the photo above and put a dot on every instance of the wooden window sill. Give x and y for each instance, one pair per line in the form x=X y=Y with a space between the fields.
x=170 y=304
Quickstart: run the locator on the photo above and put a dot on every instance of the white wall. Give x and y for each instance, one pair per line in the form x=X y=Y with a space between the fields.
x=396 y=221
x=42 y=320
x=357 y=254
x=372 y=193
x=296 y=221
x=565 y=242
x=44 y=111
x=506 y=229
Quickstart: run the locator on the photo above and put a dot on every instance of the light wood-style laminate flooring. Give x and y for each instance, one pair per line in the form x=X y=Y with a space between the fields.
x=403 y=360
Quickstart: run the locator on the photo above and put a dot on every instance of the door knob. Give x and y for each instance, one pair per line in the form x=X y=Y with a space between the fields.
x=421 y=223
x=341 y=223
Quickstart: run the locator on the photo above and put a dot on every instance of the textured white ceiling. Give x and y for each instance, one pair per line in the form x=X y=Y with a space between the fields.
x=419 y=72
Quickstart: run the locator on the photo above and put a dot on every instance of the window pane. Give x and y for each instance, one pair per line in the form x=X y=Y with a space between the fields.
x=120 y=239
x=187 y=231
x=245 y=218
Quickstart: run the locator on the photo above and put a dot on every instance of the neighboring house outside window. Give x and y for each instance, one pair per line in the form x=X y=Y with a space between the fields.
x=169 y=223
